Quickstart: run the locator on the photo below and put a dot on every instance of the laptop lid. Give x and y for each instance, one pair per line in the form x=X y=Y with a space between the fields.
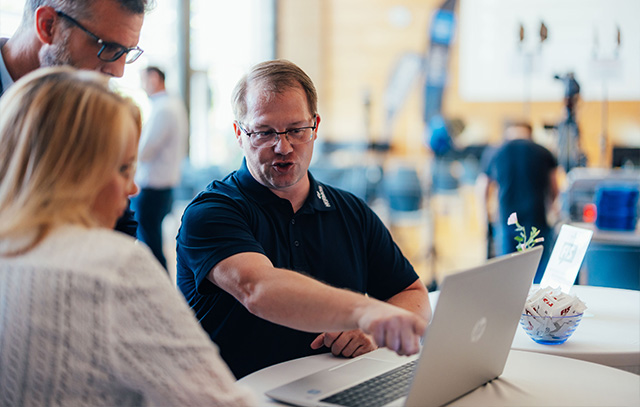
x=465 y=345
x=470 y=335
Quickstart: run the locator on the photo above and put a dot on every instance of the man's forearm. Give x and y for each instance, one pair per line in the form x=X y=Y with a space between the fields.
x=414 y=298
x=286 y=297
x=299 y=302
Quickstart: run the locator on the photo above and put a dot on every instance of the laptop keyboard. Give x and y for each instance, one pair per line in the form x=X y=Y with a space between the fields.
x=377 y=391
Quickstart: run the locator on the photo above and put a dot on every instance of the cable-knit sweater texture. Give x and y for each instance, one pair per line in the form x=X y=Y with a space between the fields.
x=89 y=318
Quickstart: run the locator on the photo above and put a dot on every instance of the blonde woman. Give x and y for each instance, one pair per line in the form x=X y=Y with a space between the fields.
x=87 y=317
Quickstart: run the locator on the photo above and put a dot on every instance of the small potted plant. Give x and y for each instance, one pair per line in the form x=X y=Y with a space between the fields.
x=524 y=242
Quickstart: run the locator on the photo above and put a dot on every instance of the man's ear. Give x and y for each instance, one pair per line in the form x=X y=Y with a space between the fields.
x=315 y=136
x=45 y=19
x=238 y=133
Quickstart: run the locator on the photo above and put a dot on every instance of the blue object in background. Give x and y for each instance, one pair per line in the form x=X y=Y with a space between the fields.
x=439 y=140
x=609 y=263
x=441 y=34
x=616 y=207
x=442 y=30
x=403 y=190
x=443 y=180
x=613 y=265
x=443 y=25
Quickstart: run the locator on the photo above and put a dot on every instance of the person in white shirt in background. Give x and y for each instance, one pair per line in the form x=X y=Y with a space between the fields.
x=162 y=148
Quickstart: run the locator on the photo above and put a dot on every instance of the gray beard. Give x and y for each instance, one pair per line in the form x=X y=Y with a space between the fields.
x=56 y=54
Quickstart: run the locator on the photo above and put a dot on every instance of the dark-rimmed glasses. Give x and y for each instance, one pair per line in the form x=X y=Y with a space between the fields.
x=109 y=51
x=270 y=138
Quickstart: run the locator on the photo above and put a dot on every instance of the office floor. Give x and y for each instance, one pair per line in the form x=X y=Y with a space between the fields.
x=445 y=236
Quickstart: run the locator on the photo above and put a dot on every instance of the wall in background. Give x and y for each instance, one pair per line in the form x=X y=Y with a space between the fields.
x=510 y=50
x=350 y=48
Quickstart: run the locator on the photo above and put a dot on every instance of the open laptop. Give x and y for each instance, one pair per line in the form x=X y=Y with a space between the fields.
x=465 y=346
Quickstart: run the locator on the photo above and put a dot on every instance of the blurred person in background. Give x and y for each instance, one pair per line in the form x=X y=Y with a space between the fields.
x=524 y=174
x=99 y=35
x=162 y=148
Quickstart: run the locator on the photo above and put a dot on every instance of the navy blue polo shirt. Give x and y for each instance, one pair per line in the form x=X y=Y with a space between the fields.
x=335 y=238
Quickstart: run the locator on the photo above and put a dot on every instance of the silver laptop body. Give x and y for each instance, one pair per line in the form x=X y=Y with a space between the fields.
x=465 y=346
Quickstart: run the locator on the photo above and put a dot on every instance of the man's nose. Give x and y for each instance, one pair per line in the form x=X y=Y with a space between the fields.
x=115 y=68
x=283 y=146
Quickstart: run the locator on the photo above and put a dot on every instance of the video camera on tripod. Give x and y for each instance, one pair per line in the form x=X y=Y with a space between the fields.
x=571 y=91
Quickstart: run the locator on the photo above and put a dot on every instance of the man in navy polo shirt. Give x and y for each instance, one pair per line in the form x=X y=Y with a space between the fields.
x=269 y=258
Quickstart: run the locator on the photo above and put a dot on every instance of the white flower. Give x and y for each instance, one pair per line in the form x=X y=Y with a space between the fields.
x=524 y=242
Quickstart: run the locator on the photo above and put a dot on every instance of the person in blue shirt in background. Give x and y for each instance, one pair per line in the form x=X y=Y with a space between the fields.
x=269 y=258
x=525 y=174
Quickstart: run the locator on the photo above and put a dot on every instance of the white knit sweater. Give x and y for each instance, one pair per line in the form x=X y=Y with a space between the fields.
x=88 y=317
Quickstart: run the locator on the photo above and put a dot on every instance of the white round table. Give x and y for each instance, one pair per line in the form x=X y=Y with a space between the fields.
x=529 y=379
x=609 y=333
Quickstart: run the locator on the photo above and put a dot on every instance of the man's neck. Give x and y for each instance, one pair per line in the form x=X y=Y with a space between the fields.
x=157 y=91
x=296 y=194
x=20 y=55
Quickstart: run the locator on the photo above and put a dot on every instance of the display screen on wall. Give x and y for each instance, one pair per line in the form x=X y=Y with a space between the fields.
x=510 y=50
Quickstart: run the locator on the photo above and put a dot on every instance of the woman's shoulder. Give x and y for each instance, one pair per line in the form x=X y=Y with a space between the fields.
x=72 y=246
x=102 y=238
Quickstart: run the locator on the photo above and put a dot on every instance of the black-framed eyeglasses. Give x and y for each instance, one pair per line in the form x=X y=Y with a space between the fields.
x=109 y=51
x=270 y=138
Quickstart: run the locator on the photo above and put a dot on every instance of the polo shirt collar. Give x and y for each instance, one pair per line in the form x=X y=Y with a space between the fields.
x=318 y=199
x=256 y=189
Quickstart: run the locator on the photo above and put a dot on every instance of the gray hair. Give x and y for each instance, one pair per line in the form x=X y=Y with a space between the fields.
x=81 y=8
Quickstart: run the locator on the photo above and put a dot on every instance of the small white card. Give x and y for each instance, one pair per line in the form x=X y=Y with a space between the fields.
x=566 y=258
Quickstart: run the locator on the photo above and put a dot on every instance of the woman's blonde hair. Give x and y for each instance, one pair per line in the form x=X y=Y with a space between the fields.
x=62 y=134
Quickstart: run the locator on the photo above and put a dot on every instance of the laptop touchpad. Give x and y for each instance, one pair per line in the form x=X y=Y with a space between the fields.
x=331 y=380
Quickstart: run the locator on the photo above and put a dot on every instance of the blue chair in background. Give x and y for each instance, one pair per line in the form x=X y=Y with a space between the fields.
x=403 y=190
